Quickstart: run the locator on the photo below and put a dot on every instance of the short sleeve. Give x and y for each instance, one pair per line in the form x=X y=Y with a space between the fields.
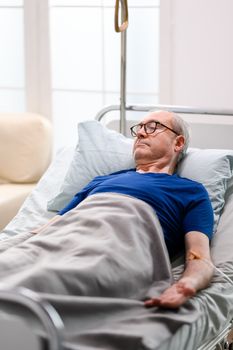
x=199 y=213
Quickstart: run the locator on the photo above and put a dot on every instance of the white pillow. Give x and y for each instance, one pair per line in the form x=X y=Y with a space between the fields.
x=214 y=169
x=102 y=151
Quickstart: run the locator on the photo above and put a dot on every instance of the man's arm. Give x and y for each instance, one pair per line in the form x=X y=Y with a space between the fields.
x=197 y=273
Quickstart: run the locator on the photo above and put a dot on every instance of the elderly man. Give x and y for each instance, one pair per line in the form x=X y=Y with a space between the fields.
x=110 y=242
x=182 y=205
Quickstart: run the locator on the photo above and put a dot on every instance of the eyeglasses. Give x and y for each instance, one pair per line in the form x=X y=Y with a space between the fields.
x=149 y=128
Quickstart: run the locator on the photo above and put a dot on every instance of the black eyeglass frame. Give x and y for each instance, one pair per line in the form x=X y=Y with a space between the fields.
x=134 y=134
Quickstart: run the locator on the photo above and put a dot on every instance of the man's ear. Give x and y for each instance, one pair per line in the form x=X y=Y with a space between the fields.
x=179 y=143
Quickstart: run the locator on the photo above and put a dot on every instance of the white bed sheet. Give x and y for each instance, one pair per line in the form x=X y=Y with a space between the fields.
x=34 y=211
x=216 y=302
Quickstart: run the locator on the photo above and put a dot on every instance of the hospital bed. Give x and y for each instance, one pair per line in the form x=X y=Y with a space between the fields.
x=39 y=321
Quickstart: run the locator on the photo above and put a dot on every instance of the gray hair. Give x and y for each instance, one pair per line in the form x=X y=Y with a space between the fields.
x=182 y=128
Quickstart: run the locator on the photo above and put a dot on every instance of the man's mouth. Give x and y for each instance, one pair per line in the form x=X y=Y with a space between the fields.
x=140 y=143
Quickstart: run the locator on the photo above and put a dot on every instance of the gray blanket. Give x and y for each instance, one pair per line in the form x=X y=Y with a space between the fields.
x=96 y=265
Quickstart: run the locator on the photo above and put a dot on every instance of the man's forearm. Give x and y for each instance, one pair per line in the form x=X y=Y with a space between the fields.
x=198 y=272
x=197 y=275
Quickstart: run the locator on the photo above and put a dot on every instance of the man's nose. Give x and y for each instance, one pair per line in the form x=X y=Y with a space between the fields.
x=141 y=132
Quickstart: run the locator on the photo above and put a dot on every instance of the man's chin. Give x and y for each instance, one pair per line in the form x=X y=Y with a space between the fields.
x=140 y=158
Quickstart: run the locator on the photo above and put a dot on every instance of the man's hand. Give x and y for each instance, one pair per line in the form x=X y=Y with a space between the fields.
x=174 y=296
x=196 y=276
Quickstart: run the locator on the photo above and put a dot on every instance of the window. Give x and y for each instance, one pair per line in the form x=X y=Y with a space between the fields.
x=61 y=58
x=85 y=59
x=12 y=80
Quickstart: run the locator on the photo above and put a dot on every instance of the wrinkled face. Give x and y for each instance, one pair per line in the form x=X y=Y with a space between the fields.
x=149 y=148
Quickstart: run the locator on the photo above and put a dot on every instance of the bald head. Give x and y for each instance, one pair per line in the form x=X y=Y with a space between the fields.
x=161 y=141
x=178 y=124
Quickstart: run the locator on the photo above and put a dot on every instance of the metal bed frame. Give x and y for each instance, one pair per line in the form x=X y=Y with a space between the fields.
x=42 y=311
x=223 y=340
x=170 y=108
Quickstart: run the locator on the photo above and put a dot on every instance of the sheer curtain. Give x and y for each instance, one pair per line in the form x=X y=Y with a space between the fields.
x=61 y=58
x=12 y=77
x=85 y=59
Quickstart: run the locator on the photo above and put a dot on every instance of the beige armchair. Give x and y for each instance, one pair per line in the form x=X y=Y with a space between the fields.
x=25 y=153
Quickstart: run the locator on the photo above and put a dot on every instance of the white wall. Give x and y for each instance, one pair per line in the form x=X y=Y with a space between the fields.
x=196 y=64
x=197 y=52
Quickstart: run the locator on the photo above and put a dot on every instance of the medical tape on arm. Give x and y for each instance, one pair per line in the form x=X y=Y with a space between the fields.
x=194 y=256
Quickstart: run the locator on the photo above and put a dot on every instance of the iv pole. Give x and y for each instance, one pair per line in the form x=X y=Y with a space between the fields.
x=123 y=30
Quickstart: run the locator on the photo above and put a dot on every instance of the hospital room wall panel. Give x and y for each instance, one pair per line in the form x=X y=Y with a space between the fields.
x=210 y=131
x=197 y=53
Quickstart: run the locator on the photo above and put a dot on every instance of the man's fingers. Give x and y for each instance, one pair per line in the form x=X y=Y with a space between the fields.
x=152 y=302
x=171 y=303
x=173 y=297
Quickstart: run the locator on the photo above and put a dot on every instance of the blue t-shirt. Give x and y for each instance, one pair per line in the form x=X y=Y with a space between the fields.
x=182 y=205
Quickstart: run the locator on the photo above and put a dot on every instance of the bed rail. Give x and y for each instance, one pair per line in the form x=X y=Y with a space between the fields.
x=170 y=108
x=44 y=312
x=221 y=341
x=53 y=324
x=215 y=122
